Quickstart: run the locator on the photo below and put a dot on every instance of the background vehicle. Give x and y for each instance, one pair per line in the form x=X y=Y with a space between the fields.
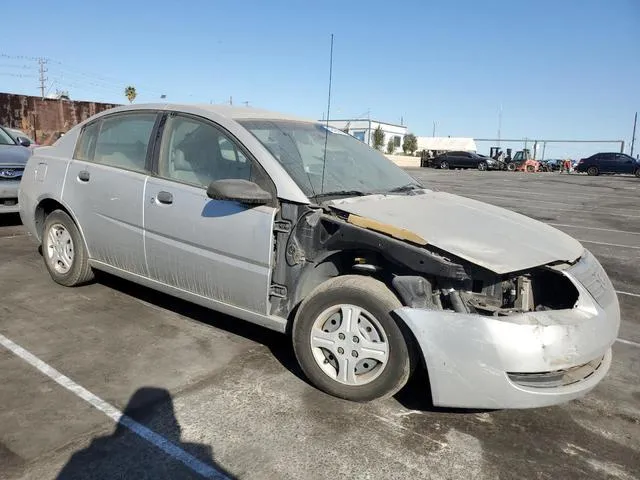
x=464 y=160
x=609 y=162
x=13 y=158
x=523 y=162
x=22 y=138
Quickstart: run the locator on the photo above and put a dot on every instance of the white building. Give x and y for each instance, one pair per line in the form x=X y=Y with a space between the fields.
x=447 y=144
x=363 y=130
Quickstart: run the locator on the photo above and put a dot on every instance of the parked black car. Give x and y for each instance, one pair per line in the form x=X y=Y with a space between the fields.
x=464 y=160
x=609 y=163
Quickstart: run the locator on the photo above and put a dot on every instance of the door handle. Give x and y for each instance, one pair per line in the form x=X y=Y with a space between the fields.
x=84 y=176
x=165 y=197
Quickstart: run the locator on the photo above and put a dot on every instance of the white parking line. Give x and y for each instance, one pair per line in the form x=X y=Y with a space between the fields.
x=546 y=193
x=519 y=205
x=114 y=414
x=607 y=244
x=593 y=228
x=628 y=293
x=628 y=342
x=548 y=201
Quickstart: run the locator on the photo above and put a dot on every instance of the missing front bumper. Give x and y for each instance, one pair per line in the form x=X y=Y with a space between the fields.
x=468 y=356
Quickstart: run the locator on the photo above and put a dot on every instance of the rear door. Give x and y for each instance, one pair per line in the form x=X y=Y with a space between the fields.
x=217 y=249
x=104 y=187
x=605 y=162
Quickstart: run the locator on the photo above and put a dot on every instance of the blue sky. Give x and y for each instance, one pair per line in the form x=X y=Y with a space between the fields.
x=563 y=68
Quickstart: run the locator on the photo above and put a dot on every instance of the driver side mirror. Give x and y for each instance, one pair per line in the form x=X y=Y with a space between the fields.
x=241 y=191
x=25 y=142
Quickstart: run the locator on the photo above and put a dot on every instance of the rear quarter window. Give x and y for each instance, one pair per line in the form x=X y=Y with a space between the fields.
x=86 y=143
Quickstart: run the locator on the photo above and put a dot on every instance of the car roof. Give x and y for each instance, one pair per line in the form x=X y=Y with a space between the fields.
x=228 y=111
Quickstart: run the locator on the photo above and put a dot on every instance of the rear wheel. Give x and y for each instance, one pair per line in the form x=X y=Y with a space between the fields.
x=511 y=166
x=65 y=255
x=637 y=172
x=482 y=166
x=593 y=171
x=348 y=343
x=444 y=165
x=530 y=169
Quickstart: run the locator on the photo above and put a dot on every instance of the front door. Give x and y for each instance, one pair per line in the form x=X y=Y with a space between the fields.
x=217 y=249
x=104 y=188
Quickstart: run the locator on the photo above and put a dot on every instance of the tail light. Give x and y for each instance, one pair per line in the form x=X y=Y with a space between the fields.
x=581 y=161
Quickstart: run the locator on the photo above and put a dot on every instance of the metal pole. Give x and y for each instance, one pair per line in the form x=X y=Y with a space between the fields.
x=434 y=129
x=633 y=136
x=544 y=147
x=499 y=124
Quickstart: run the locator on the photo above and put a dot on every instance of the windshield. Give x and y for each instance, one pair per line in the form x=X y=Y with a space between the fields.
x=5 y=138
x=351 y=168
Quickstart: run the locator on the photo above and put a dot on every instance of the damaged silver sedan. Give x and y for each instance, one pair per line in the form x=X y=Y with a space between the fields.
x=303 y=229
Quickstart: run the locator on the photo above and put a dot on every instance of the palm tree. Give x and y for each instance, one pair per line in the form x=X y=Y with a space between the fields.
x=130 y=93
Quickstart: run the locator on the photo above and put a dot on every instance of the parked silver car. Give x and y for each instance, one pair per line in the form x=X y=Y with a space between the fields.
x=13 y=157
x=303 y=229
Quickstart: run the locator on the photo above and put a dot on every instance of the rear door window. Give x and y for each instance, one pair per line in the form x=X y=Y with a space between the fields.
x=123 y=140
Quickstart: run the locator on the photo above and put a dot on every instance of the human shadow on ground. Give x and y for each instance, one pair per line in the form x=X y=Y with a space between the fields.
x=146 y=444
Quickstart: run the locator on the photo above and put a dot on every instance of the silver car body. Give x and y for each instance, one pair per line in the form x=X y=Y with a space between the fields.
x=221 y=255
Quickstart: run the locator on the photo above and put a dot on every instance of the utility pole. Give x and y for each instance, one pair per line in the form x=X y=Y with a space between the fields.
x=633 y=137
x=42 y=69
x=499 y=123
x=230 y=100
x=434 y=129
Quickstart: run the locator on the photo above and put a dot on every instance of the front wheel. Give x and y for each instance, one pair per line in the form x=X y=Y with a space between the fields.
x=444 y=165
x=347 y=342
x=482 y=166
x=65 y=255
x=511 y=167
x=530 y=168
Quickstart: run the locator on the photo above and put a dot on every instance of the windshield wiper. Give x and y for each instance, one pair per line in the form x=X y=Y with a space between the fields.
x=407 y=188
x=341 y=193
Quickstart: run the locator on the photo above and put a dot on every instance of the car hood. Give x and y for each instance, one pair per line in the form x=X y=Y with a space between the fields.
x=14 y=155
x=489 y=236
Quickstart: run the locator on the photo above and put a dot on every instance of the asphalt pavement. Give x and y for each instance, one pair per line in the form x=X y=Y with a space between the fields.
x=206 y=395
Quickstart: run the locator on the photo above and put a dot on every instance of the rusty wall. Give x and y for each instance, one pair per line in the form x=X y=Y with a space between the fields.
x=44 y=119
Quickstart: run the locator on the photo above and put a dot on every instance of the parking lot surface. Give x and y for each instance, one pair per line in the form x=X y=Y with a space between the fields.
x=205 y=395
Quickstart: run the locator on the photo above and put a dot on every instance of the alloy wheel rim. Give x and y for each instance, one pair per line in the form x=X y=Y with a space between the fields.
x=60 y=249
x=349 y=345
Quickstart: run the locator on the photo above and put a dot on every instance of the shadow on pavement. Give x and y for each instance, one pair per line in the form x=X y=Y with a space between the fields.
x=278 y=344
x=125 y=454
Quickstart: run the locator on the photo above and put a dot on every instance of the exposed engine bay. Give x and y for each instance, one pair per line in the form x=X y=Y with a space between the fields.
x=313 y=244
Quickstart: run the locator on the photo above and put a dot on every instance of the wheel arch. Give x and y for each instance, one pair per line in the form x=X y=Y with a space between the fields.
x=44 y=207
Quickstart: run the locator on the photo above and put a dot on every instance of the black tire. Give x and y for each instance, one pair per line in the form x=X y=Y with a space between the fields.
x=511 y=167
x=444 y=165
x=374 y=297
x=530 y=168
x=79 y=272
x=592 y=171
x=637 y=172
x=482 y=166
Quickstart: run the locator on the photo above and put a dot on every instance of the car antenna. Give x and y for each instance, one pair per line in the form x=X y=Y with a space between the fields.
x=326 y=131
